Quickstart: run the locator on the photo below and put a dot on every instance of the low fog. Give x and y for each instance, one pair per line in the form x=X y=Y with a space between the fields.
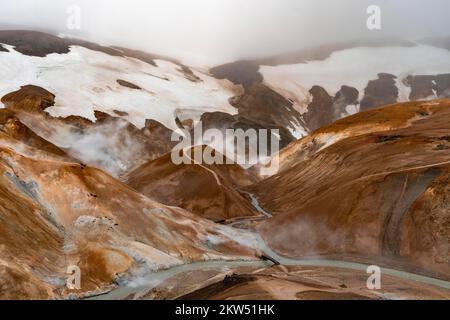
x=219 y=30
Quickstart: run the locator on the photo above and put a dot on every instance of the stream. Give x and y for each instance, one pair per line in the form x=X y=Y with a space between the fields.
x=152 y=280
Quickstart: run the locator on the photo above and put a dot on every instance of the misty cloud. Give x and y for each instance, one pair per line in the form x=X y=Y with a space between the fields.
x=228 y=29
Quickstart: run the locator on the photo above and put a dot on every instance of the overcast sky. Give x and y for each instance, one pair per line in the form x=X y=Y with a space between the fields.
x=227 y=29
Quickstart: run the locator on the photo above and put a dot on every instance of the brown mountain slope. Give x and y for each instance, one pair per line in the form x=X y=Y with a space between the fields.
x=55 y=213
x=209 y=191
x=379 y=193
x=382 y=119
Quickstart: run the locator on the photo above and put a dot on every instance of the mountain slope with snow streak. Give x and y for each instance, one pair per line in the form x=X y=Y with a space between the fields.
x=355 y=67
x=56 y=212
x=377 y=190
x=84 y=80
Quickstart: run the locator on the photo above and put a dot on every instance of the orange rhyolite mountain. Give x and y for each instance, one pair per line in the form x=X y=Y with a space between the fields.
x=372 y=185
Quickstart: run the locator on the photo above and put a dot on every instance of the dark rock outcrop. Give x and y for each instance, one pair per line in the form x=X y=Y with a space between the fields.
x=443 y=85
x=40 y=44
x=422 y=87
x=129 y=85
x=380 y=92
x=159 y=135
x=320 y=110
x=223 y=121
x=263 y=105
x=245 y=73
x=346 y=96
x=325 y=109
x=262 y=108
x=189 y=74
x=428 y=86
x=34 y=43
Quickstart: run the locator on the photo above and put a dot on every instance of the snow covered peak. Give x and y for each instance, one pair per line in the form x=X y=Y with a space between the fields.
x=355 y=67
x=84 y=80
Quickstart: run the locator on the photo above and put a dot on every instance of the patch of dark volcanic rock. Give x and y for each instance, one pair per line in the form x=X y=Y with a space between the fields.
x=93 y=46
x=262 y=105
x=40 y=44
x=245 y=73
x=120 y=113
x=218 y=120
x=223 y=121
x=158 y=132
x=428 y=86
x=34 y=43
x=443 y=85
x=422 y=87
x=320 y=110
x=325 y=109
x=102 y=117
x=189 y=74
x=137 y=54
x=258 y=108
x=146 y=56
x=380 y=92
x=386 y=138
x=129 y=85
x=346 y=96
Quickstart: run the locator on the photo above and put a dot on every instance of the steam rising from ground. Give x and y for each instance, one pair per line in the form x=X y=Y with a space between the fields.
x=114 y=150
x=108 y=146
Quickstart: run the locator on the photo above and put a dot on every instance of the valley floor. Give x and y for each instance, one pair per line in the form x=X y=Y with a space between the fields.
x=332 y=277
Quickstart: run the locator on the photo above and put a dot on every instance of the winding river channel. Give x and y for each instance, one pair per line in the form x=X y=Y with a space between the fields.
x=152 y=280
